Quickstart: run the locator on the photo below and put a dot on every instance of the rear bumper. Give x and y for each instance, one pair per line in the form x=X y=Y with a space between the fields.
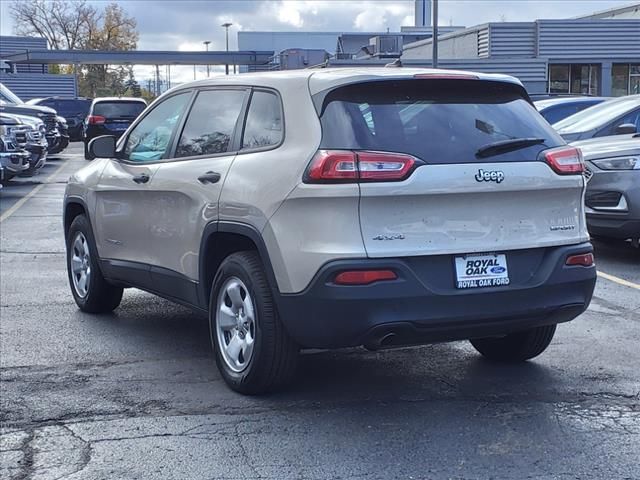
x=423 y=306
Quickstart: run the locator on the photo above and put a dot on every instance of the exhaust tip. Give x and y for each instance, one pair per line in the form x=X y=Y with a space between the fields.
x=383 y=341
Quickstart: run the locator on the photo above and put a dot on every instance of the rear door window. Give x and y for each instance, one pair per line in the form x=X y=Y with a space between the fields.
x=118 y=109
x=263 y=127
x=211 y=123
x=438 y=121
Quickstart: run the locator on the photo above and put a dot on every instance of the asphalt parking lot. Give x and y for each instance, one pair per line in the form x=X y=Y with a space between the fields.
x=135 y=394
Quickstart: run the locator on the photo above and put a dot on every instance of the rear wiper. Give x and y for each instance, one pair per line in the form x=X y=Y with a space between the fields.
x=503 y=146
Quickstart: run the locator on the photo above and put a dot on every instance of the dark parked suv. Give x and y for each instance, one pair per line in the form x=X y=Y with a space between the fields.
x=110 y=116
x=74 y=110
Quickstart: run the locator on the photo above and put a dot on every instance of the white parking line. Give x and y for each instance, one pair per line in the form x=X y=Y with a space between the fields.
x=618 y=280
x=35 y=190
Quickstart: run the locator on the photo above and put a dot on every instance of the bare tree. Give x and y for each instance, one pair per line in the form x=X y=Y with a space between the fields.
x=65 y=24
x=76 y=24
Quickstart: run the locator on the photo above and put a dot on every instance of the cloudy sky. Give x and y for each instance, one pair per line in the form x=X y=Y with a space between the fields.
x=184 y=25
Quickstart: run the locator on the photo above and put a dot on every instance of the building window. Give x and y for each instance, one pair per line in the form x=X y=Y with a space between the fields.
x=575 y=78
x=625 y=79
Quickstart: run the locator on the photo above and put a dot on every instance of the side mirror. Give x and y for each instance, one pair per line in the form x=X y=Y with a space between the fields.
x=103 y=147
x=626 y=128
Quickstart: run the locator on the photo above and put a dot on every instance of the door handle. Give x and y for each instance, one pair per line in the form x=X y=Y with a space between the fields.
x=142 y=178
x=209 y=177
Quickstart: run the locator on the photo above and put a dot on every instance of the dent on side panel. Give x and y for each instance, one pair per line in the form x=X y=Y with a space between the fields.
x=316 y=224
x=258 y=182
x=82 y=185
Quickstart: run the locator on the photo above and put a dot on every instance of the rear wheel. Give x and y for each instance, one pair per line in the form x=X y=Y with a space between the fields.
x=92 y=293
x=516 y=347
x=253 y=351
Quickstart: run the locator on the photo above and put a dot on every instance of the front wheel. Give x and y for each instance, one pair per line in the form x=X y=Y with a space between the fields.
x=516 y=347
x=92 y=293
x=253 y=351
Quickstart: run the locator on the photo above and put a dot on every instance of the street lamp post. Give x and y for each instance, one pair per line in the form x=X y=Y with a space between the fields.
x=206 y=44
x=434 y=35
x=226 y=27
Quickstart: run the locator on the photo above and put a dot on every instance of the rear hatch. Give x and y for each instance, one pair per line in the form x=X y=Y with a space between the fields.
x=459 y=166
x=118 y=114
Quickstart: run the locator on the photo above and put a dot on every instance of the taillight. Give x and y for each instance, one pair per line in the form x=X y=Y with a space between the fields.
x=96 y=120
x=364 y=277
x=332 y=166
x=345 y=166
x=565 y=160
x=582 y=260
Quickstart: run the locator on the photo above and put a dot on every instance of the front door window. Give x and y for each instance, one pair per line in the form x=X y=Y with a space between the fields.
x=149 y=140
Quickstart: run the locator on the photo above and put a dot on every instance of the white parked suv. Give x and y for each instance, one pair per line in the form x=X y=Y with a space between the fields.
x=338 y=207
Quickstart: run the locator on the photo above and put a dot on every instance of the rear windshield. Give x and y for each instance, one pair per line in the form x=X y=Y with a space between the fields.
x=438 y=121
x=118 y=109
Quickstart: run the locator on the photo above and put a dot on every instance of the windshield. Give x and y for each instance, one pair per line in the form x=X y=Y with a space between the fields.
x=597 y=115
x=8 y=96
x=438 y=121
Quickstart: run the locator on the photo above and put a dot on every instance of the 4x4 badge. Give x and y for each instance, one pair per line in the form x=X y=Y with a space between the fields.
x=492 y=176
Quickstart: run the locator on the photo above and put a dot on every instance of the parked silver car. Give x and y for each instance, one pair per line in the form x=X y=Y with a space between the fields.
x=618 y=116
x=338 y=207
x=613 y=191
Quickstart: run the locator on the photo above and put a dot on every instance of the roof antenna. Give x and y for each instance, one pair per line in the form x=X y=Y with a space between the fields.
x=396 y=63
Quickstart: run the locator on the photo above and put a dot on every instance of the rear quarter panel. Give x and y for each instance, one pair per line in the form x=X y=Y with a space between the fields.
x=258 y=182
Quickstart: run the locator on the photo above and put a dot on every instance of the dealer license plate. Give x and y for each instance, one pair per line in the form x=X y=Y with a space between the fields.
x=481 y=270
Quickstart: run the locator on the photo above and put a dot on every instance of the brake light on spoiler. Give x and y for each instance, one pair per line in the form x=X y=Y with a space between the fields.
x=446 y=76
x=347 y=166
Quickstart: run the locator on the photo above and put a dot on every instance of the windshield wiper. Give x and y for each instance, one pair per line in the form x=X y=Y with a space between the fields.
x=503 y=146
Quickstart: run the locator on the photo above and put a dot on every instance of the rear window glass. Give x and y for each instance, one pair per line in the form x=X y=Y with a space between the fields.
x=264 y=121
x=438 y=121
x=118 y=109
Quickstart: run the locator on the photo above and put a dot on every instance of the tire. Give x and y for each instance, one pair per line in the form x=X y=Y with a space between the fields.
x=98 y=296
x=516 y=347
x=7 y=178
x=272 y=355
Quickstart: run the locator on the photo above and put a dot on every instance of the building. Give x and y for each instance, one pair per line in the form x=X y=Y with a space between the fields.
x=597 y=54
x=32 y=80
x=339 y=45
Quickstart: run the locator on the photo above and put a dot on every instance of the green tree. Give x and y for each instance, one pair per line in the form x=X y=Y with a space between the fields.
x=79 y=25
